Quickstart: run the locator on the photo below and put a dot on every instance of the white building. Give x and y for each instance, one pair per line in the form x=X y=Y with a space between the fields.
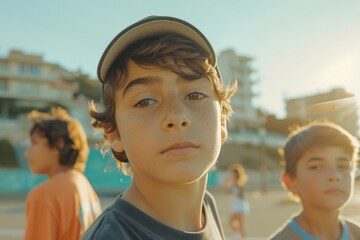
x=238 y=68
x=336 y=105
x=246 y=123
x=27 y=82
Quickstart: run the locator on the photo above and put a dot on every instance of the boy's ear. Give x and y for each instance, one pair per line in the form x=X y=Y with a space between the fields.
x=289 y=183
x=60 y=143
x=114 y=140
x=224 y=133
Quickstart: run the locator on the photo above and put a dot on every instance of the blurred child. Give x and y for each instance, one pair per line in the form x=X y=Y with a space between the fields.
x=66 y=204
x=164 y=115
x=320 y=161
x=235 y=185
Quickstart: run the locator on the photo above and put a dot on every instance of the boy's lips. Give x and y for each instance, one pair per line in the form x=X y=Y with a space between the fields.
x=334 y=191
x=181 y=148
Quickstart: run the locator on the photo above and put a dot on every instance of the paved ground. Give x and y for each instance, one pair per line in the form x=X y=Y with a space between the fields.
x=268 y=211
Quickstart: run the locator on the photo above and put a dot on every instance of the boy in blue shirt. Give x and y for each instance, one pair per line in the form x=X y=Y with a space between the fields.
x=320 y=162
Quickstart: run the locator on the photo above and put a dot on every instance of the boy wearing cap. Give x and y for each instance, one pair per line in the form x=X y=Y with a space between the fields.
x=65 y=205
x=320 y=162
x=165 y=112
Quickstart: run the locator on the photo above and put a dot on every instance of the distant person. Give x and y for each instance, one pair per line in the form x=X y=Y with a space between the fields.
x=235 y=185
x=164 y=117
x=66 y=204
x=320 y=162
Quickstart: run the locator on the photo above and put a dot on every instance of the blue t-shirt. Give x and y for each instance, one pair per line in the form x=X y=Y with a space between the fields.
x=292 y=230
x=306 y=236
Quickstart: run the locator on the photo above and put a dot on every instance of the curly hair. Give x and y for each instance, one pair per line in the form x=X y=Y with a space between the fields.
x=56 y=126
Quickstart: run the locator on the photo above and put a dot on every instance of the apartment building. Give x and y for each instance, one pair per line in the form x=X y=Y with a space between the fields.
x=28 y=82
x=336 y=105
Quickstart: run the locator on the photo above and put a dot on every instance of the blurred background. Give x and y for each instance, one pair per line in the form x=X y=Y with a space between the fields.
x=294 y=61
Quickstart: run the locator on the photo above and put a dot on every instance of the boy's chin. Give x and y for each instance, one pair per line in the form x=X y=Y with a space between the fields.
x=187 y=176
x=37 y=172
x=335 y=204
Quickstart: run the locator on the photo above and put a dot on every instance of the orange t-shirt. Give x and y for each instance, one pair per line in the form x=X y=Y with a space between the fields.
x=61 y=208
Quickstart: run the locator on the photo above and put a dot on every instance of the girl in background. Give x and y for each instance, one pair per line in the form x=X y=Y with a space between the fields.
x=239 y=206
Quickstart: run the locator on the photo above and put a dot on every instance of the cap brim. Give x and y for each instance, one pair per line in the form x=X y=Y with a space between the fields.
x=151 y=26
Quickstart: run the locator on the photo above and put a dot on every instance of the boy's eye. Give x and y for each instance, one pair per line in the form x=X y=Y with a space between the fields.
x=315 y=167
x=345 y=165
x=196 y=96
x=145 y=102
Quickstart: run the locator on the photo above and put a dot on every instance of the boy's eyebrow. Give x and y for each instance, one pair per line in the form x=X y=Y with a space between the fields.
x=321 y=159
x=315 y=159
x=140 y=81
x=343 y=159
x=149 y=80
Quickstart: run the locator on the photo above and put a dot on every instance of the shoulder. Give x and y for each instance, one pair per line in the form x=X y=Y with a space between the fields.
x=351 y=222
x=39 y=192
x=60 y=185
x=69 y=182
x=212 y=212
x=353 y=226
x=119 y=219
x=103 y=227
x=40 y=202
x=51 y=186
x=209 y=202
x=209 y=199
x=284 y=232
x=99 y=227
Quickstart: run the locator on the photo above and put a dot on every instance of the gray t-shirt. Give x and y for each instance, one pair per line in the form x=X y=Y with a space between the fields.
x=124 y=221
x=291 y=230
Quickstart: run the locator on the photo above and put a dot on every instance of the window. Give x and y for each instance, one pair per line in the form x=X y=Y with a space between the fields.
x=31 y=69
x=3 y=84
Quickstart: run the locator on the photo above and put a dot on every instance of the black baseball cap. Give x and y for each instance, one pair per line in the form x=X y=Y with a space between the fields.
x=147 y=27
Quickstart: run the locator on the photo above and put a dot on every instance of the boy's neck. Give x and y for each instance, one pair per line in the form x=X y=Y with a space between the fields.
x=58 y=170
x=180 y=207
x=321 y=224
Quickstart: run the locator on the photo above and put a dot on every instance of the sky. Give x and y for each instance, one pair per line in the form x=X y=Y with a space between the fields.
x=299 y=48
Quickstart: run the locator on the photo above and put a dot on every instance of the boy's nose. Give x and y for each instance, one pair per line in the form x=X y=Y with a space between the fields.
x=176 y=118
x=334 y=175
x=334 y=178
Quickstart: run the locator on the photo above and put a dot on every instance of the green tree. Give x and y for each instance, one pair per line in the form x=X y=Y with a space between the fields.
x=88 y=87
x=7 y=154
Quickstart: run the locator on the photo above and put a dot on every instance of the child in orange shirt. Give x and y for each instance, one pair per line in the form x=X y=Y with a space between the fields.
x=65 y=205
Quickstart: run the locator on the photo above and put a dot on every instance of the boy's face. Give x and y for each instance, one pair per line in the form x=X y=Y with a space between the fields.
x=41 y=158
x=169 y=127
x=324 y=178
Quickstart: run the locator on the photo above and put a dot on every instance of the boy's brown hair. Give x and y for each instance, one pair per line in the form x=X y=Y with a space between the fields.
x=169 y=52
x=313 y=135
x=63 y=133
